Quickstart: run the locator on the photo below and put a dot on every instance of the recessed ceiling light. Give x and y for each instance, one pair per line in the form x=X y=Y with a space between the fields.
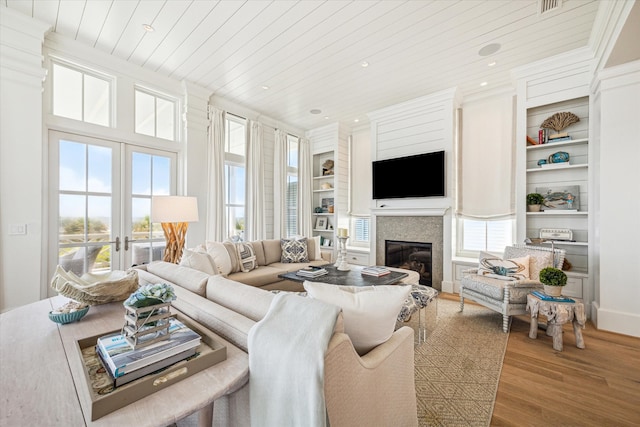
x=492 y=63
x=364 y=64
x=326 y=117
x=489 y=49
x=484 y=83
x=315 y=111
x=148 y=28
x=265 y=87
x=356 y=120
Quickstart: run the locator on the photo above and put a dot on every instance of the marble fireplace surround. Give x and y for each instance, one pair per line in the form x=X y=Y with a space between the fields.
x=426 y=229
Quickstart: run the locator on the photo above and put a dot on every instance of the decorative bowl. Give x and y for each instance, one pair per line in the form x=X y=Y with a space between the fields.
x=68 y=317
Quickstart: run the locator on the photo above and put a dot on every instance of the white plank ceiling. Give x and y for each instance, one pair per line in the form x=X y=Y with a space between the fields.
x=310 y=53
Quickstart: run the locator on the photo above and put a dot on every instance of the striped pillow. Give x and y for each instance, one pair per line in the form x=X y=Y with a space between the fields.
x=246 y=256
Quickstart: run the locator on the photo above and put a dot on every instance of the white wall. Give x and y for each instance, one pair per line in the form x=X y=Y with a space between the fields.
x=618 y=309
x=21 y=159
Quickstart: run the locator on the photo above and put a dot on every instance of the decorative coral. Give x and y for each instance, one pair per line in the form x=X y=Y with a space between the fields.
x=560 y=121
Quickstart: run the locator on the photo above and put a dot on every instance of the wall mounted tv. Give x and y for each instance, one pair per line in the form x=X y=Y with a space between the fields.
x=421 y=175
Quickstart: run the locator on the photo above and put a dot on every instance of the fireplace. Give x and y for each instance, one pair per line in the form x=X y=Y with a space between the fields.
x=414 y=256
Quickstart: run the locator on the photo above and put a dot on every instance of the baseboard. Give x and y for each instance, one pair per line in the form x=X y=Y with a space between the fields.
x=618 y=322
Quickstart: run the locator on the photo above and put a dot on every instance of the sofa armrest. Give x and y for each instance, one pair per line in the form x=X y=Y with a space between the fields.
x=375 y=389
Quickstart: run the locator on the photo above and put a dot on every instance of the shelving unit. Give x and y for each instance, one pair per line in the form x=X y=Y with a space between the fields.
x=559 y=178
x=324 y=198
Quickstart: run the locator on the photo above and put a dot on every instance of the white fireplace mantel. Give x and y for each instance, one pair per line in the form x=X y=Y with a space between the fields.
x=407 y=211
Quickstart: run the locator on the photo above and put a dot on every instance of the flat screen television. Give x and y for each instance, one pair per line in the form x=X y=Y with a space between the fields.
x=421 y=175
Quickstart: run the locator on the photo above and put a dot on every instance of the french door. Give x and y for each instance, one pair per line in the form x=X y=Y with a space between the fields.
x=100 y=202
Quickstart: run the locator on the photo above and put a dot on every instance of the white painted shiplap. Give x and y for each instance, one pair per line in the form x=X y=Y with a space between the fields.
x=309 y=53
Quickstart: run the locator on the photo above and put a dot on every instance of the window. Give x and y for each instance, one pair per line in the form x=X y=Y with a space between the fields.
x=291 y=197
x=155 y=115
x=235 y=174
x=491 y=236
x=82 y=95
x=360 y=231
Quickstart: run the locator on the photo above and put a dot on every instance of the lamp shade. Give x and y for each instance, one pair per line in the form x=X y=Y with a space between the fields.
x=174 y=209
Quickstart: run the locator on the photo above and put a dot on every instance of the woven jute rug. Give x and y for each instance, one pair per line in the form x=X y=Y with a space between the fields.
x=458 y=366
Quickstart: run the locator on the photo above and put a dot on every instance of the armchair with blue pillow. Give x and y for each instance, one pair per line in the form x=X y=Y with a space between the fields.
x=502 y=284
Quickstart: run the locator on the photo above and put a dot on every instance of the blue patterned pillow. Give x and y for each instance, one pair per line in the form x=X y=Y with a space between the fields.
x=294 y=250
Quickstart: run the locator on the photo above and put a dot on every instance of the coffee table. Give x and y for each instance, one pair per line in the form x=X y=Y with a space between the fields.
x=353 y=277
x=42 y=380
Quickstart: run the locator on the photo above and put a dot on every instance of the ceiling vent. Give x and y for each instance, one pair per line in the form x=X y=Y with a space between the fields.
x=548 y=5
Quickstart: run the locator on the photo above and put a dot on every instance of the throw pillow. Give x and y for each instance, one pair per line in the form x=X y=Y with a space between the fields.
x=220 y=256
x=246 y=256
x=294 y=250
x=369 y=312
x=504 y=269
x=201 y=261
x=316 y=247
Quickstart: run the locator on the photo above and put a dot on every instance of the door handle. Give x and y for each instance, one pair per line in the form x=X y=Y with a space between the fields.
x=127 y=241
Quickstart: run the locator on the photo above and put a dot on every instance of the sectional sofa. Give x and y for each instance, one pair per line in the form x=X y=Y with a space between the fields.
x=376 y=388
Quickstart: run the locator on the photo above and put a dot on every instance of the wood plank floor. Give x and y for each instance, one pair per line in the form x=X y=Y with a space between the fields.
x=596 y=386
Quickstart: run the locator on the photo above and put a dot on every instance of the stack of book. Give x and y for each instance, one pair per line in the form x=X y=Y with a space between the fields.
x=311 y=272
x=545 y=297
x=124 y=364
x=558 y=137
x=375 y=270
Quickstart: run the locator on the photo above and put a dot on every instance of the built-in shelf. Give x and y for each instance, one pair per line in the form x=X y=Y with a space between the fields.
x=558 y=168
x=323 y=176
x=323 y=214
x=557 y=144
x=557 y=212
x=565 y=243
x=323 y=231
x=323 y=191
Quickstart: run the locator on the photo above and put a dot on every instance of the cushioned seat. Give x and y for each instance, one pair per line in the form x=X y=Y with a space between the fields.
x=509 y=297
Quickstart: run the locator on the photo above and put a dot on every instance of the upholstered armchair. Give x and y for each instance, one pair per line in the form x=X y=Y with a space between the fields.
x=509 y=297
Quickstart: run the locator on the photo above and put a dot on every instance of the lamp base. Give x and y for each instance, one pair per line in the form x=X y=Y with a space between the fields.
x=175 y=234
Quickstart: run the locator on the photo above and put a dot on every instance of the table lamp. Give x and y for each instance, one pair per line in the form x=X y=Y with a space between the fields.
x=174 y=213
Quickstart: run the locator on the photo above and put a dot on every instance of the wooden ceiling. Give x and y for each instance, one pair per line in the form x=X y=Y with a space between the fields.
x=310 y=53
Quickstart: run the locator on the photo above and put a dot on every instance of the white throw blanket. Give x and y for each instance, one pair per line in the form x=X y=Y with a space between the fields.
x=286 y=362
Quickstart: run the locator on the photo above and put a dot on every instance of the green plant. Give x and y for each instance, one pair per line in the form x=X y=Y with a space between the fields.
x=551 y=276
x=534 y=199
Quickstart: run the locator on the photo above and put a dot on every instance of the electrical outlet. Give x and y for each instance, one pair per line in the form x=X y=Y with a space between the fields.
x=17 y=229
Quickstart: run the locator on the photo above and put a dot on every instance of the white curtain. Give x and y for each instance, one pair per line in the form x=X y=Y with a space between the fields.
x=305 y=188
x=486 y=181
x=216 y=223
x=279 y=184
x=255 y=218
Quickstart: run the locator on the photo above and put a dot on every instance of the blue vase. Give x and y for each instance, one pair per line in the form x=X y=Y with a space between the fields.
x=559 y=157
x=542 y=162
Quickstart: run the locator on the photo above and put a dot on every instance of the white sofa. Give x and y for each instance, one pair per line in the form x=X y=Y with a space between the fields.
x=374 y=389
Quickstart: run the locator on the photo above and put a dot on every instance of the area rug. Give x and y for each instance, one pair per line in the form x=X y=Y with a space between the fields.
x=457 y=369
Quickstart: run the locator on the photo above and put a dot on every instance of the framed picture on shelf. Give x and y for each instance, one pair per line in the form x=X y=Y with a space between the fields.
x=321 y=223
x=326 y=242
x=560 y=198
x=326 y=202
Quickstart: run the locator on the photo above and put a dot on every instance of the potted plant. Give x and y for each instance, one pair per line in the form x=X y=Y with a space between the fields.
x=534 y=202
x=553 y=280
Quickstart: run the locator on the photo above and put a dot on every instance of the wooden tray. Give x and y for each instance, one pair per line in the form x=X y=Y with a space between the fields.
x=105 y=398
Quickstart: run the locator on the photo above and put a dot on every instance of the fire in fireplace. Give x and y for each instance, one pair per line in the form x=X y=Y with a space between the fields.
x=414 y=256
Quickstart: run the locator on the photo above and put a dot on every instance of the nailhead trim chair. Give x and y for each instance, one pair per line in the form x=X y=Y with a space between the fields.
x=509 y=297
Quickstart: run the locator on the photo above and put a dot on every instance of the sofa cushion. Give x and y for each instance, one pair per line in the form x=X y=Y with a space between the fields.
x=258 y=250
x=370 y=312
x=272 y=251
x=246 y=257
x=188 y=278
x=313 y=247
x=246 y=300
x=493 y=289
x=294 y=250
x=221 y=256
x=201 y=261
x=512 y=269
x=260 y=276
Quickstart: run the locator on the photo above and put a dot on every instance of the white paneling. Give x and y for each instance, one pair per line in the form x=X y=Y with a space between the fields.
x=133 y=33
x=114 y=24
x=93 y=19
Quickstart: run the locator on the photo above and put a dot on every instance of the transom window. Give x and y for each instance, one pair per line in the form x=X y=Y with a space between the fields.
x=80 y=94
x=155 y=115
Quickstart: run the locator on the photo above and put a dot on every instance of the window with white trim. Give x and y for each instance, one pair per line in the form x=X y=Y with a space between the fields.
x=475 y=236
x=80 y=94
x=360 y=231
x=235 y=144
x=291 y=198
x=155 y=115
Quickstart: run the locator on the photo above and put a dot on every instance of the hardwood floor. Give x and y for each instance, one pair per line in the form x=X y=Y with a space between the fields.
x=596 y=386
